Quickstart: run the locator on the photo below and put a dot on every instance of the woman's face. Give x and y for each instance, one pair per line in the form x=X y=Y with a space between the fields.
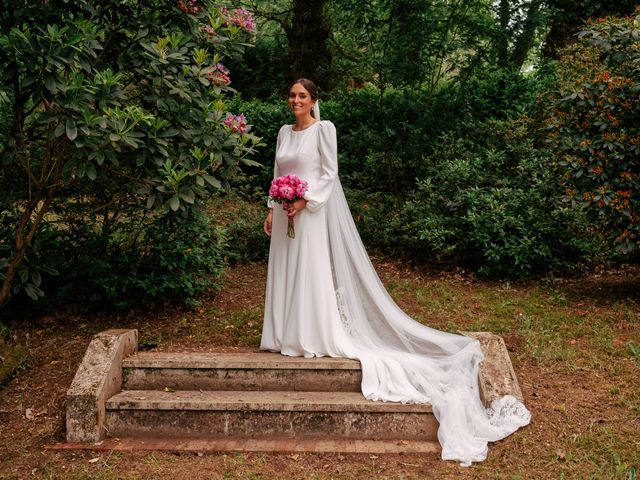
x=300 y=101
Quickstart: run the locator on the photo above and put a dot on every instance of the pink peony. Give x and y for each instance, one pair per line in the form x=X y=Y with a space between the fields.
x=288 y=188
x=286 y=192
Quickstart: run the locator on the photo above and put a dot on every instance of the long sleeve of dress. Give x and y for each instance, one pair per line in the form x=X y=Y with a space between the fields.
x=319 y=192
x=276 y=174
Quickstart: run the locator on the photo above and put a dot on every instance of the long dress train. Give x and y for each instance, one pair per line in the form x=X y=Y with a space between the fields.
x=324 y=298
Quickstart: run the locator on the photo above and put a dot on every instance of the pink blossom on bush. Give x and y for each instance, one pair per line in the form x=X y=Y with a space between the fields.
x=209 y=30
x=188 y=7
x=236 y=123
x=241 y=17
x=219 y=74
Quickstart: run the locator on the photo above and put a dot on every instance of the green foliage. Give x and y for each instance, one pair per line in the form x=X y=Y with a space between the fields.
x=595 y=131
x=242 y=220
x=266 y=118
x=168 y=258
x=382 y=140
x=182 y=258
x=489 y=203
x=111 y=115
x=261 y=73
x=501 y=94
x=412 y=43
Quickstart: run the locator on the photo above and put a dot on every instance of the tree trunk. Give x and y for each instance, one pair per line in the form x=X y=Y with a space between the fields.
x=308 y=36
x=23 y=240
x=502 y=36
x=525 y=39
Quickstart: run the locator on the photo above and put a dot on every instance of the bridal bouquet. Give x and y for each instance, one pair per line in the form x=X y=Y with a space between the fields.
x=288 y=189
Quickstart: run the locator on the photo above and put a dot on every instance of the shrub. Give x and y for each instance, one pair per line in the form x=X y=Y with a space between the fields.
x=381 y=142
x=104 y=116
x=490 y=202
x=242 y=220
x=166 y=259
x=595 y=127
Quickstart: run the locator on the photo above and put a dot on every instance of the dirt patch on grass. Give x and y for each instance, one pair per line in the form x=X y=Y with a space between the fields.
x=574 y=344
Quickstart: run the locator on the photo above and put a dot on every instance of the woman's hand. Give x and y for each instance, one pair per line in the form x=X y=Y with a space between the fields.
x=267 y=223
x=293 y=208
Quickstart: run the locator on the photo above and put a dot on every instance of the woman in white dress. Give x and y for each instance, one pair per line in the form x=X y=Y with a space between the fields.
x=323 y=298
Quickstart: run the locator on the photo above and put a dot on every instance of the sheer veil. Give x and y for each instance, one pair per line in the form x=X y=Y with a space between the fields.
x=316 y=110
x=405 y=361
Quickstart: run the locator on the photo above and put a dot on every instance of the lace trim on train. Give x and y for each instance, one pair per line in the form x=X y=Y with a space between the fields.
x=342 y=310
x=508 y=412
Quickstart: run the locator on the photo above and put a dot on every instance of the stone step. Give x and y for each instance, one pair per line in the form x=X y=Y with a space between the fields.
x=239 y=371
x=266 y=445
x=263 y=414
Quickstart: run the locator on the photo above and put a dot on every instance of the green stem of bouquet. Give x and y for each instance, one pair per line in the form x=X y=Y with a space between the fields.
x=291 y=232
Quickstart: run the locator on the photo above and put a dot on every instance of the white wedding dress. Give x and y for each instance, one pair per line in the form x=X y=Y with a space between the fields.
x=323 y=298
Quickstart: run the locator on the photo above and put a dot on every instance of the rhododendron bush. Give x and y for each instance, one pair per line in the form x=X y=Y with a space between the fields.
x=595 y=127
x=114 y=112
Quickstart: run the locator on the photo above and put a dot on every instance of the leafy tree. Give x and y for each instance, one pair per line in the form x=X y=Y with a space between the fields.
x=595 y=127
x=515 y=30
x=306 y=27
x=409 y=43
x=567 y=18
x=108 y=108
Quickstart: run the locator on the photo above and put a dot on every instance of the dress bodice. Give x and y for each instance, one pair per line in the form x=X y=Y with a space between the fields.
x=312 y=155
x=298 y=152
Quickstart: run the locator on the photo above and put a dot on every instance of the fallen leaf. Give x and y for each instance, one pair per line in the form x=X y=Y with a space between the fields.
x=294 y=457
x=29 y=414
x=94 y=460
x=169 y=389
x=560 y=454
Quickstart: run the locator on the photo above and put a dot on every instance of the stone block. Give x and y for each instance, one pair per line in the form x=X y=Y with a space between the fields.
x=99 y=376
x=496 y=376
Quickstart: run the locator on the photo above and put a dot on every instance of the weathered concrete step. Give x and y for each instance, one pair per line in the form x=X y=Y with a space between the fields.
x=272 y=445
x=263 y=414
x=239 y=371
x=285 y=401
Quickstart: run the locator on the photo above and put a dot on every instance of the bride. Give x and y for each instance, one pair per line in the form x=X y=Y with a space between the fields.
x=323 y=298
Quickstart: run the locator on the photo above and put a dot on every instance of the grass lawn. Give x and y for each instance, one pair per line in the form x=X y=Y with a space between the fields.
x=575 y=346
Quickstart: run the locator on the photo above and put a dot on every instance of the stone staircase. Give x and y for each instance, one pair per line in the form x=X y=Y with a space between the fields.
x=124 y=399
